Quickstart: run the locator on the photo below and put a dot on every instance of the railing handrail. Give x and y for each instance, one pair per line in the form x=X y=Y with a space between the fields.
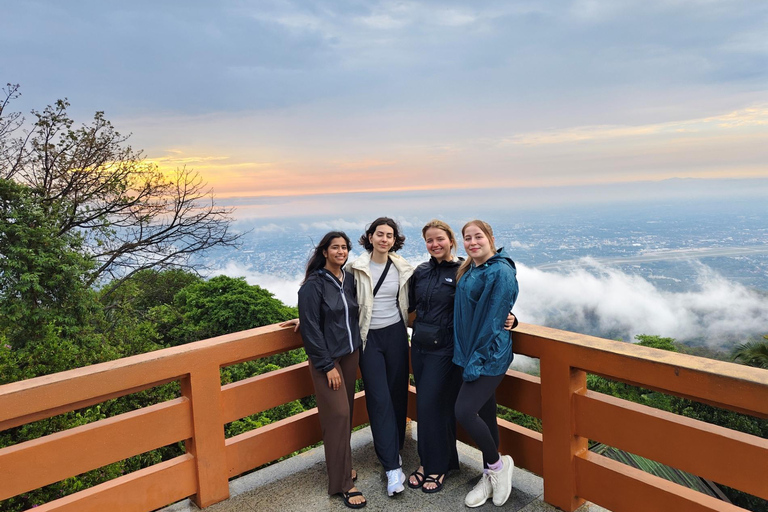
x=739 y=387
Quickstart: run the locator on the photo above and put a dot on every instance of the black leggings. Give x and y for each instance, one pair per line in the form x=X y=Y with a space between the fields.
x=476 y=411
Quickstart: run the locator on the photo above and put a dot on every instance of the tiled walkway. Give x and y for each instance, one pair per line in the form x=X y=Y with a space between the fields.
x=299 y=484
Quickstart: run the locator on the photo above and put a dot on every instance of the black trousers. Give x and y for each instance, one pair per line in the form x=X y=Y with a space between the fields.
x=384 y=366
x=437 y=385
x=476 y=411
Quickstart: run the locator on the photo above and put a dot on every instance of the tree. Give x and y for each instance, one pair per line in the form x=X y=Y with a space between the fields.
x=653 y=341
x=88 y=181
x=752 y=353
x=220 y=305
x=43 y=274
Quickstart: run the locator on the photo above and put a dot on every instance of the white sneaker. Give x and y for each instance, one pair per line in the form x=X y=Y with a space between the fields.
x=501 y=481
x=480 y=493
x=395 y=481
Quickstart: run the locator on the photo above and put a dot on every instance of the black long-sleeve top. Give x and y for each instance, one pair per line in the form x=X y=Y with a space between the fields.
x=328 y=314
x=432 y=290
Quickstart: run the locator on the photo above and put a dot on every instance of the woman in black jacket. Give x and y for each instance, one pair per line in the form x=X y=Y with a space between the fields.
x=328 y=313
x=432 y=288
x=438 y=380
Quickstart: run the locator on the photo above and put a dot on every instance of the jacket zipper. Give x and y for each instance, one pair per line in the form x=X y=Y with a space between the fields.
x=346 y=310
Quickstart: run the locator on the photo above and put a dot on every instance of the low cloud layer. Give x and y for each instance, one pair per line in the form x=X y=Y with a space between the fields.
x=592 y=298
x=596 y=299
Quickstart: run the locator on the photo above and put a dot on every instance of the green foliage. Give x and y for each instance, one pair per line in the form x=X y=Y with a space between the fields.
x=657 y=342
x=43 y=290
x=518 y=418
x=220 y=305
x=752 y=353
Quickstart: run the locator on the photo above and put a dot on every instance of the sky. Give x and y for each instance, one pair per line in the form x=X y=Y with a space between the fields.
x=289 y=107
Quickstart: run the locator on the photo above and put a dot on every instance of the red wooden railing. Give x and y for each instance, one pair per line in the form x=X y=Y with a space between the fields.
x=570 y=416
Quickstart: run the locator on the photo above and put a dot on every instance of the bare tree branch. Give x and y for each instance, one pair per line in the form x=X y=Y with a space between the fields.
x=130 y=215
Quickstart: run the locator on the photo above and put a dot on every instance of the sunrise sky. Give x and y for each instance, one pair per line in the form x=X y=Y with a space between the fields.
x=284 y=98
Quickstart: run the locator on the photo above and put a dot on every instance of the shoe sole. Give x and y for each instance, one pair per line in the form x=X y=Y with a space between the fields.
x=477 y=505
x=509 y=480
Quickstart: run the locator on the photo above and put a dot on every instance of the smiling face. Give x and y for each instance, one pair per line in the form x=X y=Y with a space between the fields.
x=478 y=246
x=382 y=239
x=438 y=244
x=336 y=254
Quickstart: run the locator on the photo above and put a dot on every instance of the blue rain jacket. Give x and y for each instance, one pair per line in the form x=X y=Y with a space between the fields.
x=484 y=297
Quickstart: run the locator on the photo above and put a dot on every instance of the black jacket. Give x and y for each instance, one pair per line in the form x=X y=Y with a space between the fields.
x=328 y=314
x=431 y=290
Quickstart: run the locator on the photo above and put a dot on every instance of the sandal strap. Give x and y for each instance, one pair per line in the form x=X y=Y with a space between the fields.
x=352 y=494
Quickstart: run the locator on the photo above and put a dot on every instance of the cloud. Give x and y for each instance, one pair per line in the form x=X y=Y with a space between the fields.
x=597 y=299
x=754 y=116
x=351 y=226
x=283 y=288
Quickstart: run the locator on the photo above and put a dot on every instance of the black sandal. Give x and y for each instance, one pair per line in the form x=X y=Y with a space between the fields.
x=419 y=478
x=346 y=495
x=431 y=480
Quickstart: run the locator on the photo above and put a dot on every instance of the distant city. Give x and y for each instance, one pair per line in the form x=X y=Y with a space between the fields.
x=696 y=271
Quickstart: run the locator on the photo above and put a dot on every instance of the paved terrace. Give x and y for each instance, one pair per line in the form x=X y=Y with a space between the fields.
x=300 y=484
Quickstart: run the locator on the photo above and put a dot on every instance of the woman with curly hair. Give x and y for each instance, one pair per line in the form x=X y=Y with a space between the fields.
x=381 y=280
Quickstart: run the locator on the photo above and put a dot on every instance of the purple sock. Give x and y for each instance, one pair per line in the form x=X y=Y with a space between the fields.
x=496 y=466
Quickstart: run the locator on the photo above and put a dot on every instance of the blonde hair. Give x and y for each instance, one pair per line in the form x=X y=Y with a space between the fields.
x=437 y=223
x=485 y=228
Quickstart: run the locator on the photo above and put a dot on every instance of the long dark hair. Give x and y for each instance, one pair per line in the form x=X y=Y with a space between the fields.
x=317 y=260
x=399 y=239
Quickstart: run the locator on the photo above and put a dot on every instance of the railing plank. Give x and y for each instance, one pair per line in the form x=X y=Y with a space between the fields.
x=39 y=462
x=270 y=442
x=147 y=489
x=262 y=392
x=725 y=456
x=616 y=486
x=525 y=446
x=521 y=392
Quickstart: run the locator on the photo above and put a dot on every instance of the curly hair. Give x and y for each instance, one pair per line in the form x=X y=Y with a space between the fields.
x=399 y=239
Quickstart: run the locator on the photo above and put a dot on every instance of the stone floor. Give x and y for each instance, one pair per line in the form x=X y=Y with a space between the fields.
x=299 y=484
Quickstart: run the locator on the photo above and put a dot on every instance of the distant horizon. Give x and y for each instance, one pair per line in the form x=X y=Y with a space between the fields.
x=483 y=200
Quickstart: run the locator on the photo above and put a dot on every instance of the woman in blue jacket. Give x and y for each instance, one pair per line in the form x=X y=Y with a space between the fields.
x=328 y=313
x=485 y=293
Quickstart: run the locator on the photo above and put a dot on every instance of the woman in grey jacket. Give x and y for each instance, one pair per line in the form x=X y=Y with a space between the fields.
x=328 y=314
x=381 y=279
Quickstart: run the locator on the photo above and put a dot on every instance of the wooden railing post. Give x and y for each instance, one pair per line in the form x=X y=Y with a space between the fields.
x=203 y=388
x=559 y=382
